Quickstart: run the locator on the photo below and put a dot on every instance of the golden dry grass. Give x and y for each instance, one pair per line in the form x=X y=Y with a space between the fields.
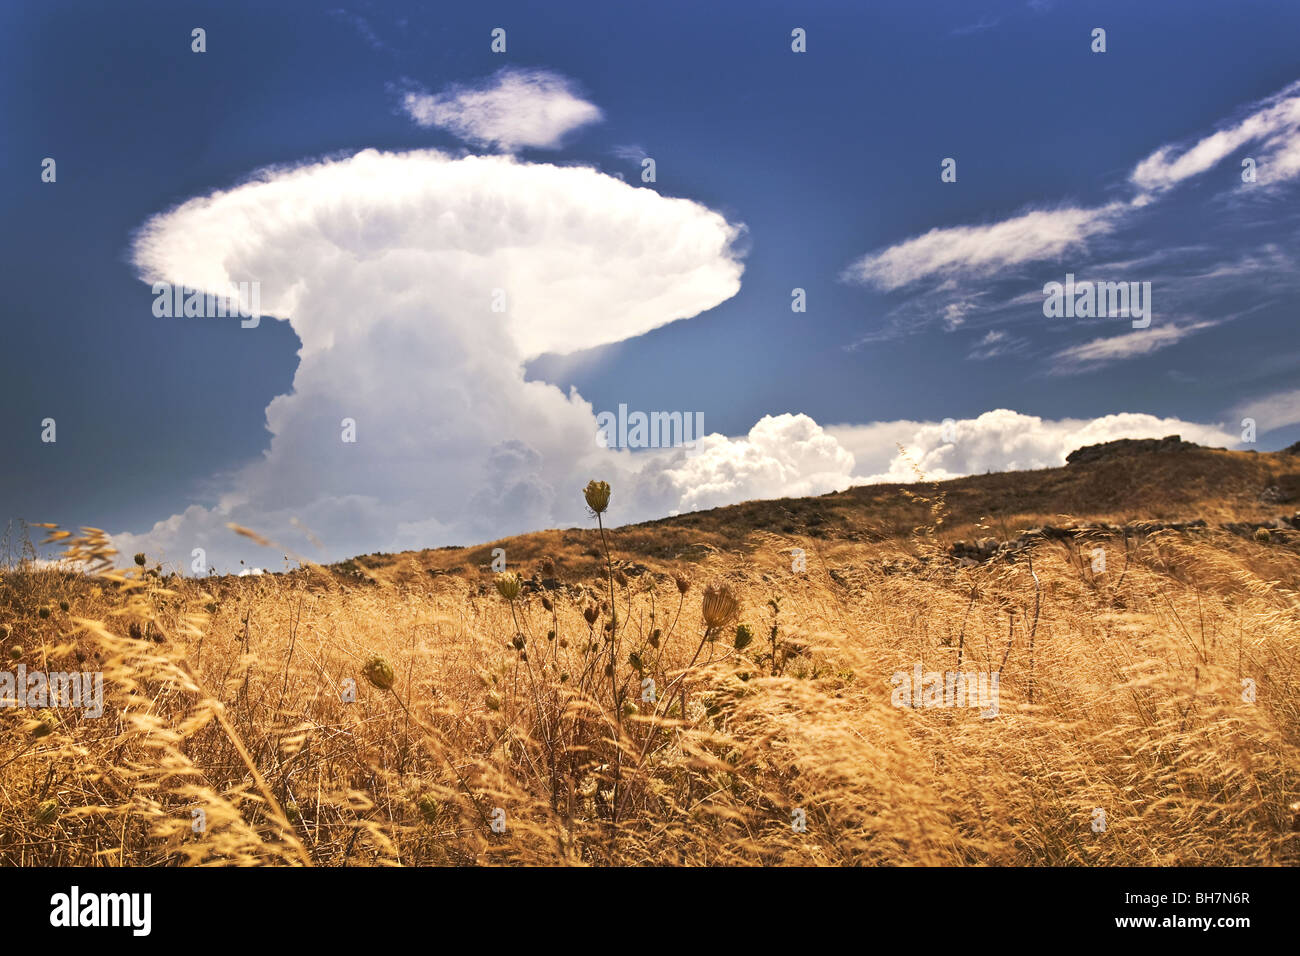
x=1121 y=691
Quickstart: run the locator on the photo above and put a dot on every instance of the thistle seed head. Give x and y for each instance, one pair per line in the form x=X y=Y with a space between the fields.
x=508 y=585
x=597 y=495
x=719 y=605
x=379 y=672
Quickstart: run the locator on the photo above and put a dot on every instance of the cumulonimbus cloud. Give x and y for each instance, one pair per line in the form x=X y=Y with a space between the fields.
x=514 y=108
x=388 y=266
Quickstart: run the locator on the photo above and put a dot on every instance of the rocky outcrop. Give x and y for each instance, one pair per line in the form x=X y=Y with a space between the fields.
x=987 y=549
x=1128 y=446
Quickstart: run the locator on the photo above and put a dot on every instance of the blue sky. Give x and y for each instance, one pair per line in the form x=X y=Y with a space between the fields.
x=823 y=167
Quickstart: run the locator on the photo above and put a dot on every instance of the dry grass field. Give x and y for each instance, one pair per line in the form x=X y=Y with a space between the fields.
x=419 y=709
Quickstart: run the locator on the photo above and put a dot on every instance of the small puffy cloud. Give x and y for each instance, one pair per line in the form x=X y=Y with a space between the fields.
x=954 y=314
x=974 y=251
x=515 y=108
x=1273 y=125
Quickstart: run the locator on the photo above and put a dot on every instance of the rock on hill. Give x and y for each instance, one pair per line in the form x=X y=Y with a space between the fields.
x=1129 y=446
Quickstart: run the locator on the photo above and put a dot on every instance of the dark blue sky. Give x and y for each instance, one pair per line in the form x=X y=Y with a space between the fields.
x=825 y=157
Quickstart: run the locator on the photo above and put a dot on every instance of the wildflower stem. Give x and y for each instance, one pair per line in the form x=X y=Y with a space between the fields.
x=613 y=671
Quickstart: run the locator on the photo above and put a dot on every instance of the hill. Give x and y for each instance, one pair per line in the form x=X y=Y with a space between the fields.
x=1089 y=665
x=1117 y=483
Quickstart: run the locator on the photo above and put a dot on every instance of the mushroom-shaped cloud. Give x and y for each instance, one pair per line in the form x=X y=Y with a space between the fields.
x=419 y=285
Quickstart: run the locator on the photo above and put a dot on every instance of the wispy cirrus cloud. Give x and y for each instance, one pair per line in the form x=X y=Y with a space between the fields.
x=996 y=343
x=514 y=108
x=1272 y=123
x=1273 y=411
x=1088 y=356
x=979 y=26
x=984 y=250
x=631 y=152
x=363 y=29
x=1037 y=235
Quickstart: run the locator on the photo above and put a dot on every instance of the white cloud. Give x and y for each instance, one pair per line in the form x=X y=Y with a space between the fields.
x=783 y=456
x=999 y=440
x=1103 y=351
x=995 y=344
x=874 y=446
x=1273 y=411
x=386 y=265
x=515 y=108
x=1273 y=124
x=983 y=250
x=1043 y=234
x=630 y=152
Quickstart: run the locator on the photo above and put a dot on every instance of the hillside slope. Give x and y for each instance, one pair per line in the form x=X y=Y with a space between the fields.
x=1090 y=665
x=1119 y=483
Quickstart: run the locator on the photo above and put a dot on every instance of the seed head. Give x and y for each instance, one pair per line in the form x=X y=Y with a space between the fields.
x=719 y=606
x=508 y=585
x=683 y=585
x=140 y=559
x=597 y=495
x=428 y=808
x=379 y=672
x=743 y=636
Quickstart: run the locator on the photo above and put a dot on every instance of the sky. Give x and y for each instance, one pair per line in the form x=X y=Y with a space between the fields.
x=855 y=218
